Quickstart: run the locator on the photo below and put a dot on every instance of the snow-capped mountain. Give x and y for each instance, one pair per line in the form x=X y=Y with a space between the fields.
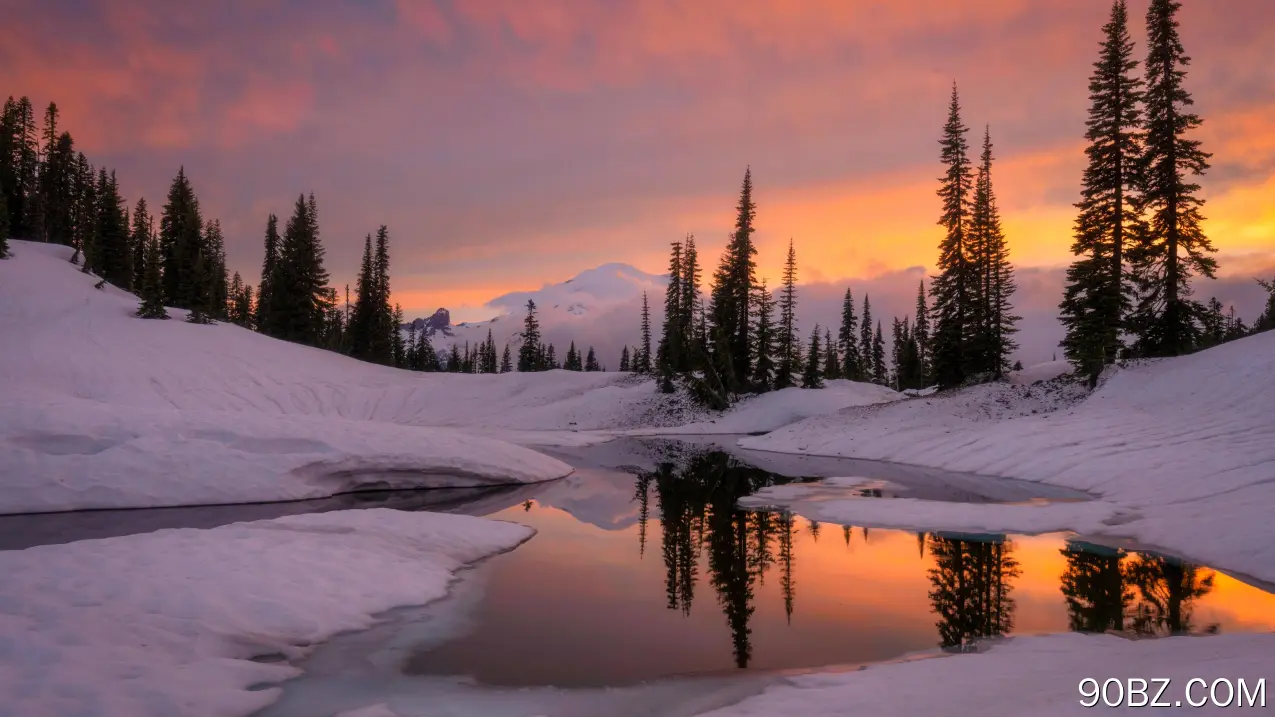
x=440 y=324
x=599 y=307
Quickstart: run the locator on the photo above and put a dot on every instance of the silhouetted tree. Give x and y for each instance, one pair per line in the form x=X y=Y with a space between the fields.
x=1095 y=306
x=1173 y=247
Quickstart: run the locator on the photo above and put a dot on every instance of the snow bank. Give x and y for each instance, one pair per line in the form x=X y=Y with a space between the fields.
x=100 y=409
x=1036 y=676
x=167 y=624
x=1039 y=372
x=1183 y=448
x=933 y=515
x=769 y=411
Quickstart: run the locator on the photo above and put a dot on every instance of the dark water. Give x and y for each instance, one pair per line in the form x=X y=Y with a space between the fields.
x=655 y=573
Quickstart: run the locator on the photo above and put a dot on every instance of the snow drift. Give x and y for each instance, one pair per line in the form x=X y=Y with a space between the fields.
x=99 y=409
x=191 y=623
x=1183 y=448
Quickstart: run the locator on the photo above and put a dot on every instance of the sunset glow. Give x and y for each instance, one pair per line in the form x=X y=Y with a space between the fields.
x=508 y=144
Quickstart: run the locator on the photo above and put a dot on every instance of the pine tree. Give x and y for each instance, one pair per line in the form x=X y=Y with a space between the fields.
x=642 y=359
x=689 y=305
x=506 y=361
x=269 y=267
x=4 y=226
x=54 y=199
x=624 y=359
x=236 y=288
x=490 y=360
x=180 y=242
x=200 y=286
x=868 y=372
x=19 y=167
x=455 y=364
x=763 y=378
x=573 y=361
x=112 y=257
x=1095 y=306
x=732 y=294
x=152 y=293
x=139 y=239
x=848 y=340
x=787 y=344
x=84 y=206
x=990 y=345
x=831 y=362
x=954 y=289
x=880 y=372
x=397 y=347
x=384 y=323
x=591 y=361
x=550 y=360
x=298 y=290
x=1173 y=247
x=669 y=360
x=529 y=355
x=1266 y=321
x=215 y=246
x=811 y=375
x=921 y=336
x=362 y=324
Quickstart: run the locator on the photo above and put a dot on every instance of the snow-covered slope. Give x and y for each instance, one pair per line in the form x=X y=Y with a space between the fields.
x=101 y=409
x=166 y=624
x=1184 y=448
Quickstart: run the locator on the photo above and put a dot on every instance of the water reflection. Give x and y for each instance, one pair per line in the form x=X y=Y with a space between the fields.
x=971 y=578
x=1144 y=593
x=723 y=588
x=970 y=588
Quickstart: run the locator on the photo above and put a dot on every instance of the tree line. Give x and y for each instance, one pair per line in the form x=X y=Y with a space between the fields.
x=50 y=192
x=1138 y=235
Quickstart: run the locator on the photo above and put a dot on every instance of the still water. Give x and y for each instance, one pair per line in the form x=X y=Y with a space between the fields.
x=643 y=574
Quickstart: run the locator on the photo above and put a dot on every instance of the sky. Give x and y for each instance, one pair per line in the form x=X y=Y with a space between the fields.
x=508 y=144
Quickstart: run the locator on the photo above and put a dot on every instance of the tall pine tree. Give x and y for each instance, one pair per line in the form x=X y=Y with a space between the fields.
x=848 y=340
x=955 y=288
x=269 y=267
x=732 y=293
x=1095 y=306
x=868 y=371
x=812 y=375
x=180 y=245
x=139 y=240
x=831 y=361
x=669 y=360
x=642 y=361
x=921 y=335
x=787 y=342
x=530 y=356
x=994 y=324
x=1173 y=247
x=763 y=378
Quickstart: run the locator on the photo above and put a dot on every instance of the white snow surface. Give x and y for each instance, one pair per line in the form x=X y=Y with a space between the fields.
x=1023 y=677
x=165 y=624
x=1040 y=372
x=769 y=411
x=1182 y=449
x=100 y=409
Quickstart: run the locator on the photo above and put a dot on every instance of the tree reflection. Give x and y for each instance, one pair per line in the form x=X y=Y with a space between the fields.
x=697 y=512
x=1093 y=583
x=970 y=587
x=1107 y=589
x=1167 y=589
